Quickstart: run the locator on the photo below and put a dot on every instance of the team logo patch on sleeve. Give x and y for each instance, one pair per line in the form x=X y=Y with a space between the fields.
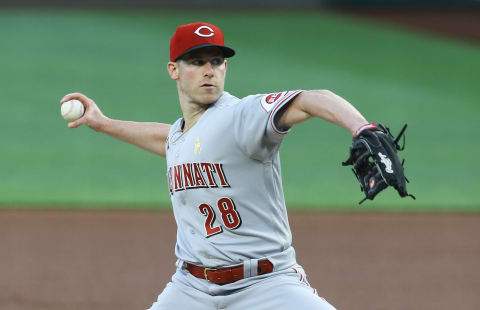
x=270 y=101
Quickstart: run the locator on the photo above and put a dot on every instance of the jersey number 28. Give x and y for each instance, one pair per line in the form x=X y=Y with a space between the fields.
x=230 y=217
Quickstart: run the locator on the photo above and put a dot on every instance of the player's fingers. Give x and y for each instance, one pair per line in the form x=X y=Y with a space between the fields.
x=71 y=96
x=78 y=122
x=79 y=96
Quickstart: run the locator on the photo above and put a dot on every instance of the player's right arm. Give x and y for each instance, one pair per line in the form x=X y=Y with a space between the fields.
x=149 y=136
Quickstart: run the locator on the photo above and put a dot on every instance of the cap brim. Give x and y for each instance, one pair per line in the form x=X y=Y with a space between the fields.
x=227 y=51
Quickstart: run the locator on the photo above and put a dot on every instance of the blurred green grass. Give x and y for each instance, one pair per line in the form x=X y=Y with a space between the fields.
x=118 y=57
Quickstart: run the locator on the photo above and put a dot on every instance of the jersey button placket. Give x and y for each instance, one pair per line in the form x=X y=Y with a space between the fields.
x=179 y=144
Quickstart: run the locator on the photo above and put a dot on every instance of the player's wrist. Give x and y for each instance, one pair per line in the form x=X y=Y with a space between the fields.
x=103 y=125
x=368 y=126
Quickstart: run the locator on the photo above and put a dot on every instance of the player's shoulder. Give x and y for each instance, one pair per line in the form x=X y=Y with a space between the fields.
x=230 y=104
x=226 y=100
x=256 y=102
x=268 y=101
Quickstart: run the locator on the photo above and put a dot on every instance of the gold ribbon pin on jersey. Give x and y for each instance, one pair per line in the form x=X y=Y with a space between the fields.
x=197 y=148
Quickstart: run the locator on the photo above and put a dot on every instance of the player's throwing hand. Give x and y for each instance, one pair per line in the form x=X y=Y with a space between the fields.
x=93 y=116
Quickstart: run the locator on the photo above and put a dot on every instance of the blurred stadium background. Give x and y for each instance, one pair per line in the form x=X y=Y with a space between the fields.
x=116 y=51
x=415 y=62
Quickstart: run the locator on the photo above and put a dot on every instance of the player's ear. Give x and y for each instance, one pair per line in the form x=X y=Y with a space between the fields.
x=172 y=68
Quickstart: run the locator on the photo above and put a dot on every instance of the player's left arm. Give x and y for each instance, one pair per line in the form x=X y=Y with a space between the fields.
x=370 y=140
x=323 y=104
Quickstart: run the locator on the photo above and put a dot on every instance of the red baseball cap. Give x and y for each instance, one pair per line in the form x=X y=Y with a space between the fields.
x=190 y=37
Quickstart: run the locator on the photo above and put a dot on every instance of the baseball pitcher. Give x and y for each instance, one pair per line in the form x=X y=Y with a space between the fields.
x=234 y=244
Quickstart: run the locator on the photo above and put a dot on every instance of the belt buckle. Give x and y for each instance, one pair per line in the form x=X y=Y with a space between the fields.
x=205 y=272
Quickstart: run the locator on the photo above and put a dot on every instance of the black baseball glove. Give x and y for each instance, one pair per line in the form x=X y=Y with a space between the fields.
x=376 y=165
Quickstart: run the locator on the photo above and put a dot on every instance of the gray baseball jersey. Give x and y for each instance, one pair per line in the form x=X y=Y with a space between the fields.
x=226 y=189
x=225 y=182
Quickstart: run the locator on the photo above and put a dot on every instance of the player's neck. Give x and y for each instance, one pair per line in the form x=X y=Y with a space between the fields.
x=191 y=114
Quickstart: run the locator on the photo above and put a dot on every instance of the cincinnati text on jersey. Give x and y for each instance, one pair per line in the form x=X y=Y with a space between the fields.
x=196 y=175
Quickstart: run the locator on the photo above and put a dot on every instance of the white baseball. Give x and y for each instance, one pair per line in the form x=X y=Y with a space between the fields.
x=72 y=110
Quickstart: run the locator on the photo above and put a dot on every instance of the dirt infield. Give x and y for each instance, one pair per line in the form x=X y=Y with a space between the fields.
x=122 y=260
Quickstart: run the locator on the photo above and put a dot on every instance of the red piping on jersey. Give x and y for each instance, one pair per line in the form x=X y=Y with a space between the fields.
x=301 y=276
x=279 y=105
